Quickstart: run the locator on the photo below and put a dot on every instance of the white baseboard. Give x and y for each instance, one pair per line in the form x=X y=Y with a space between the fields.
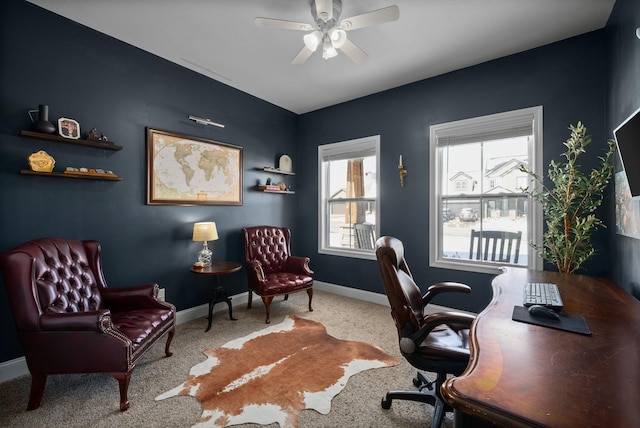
x=18 y=367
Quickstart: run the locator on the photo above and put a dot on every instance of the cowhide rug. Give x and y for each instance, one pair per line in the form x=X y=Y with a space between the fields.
x=271 y=375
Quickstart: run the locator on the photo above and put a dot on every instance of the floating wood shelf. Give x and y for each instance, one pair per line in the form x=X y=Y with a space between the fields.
x=78 y=142
x=289 y=192
x=276 y=171
x=85 y=176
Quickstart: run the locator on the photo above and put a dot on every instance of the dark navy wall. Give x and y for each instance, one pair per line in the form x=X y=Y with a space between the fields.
x=119 y=89
x=623 y=100
x=566 y=78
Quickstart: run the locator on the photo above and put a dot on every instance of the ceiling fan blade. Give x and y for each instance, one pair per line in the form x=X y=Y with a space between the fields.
x=302 y=56
x=324 y=9
x=375 y=17
x=282 y=24
x=354 y=53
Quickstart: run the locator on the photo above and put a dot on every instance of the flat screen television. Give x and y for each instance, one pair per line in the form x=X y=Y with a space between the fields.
x=627 y=136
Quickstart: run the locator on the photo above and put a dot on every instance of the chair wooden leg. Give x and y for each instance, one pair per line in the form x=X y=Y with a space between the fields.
x=172 y=333
x=267 y=304
x=310 y=293
x=123 y=381
x=38 y=381
x=249 y=299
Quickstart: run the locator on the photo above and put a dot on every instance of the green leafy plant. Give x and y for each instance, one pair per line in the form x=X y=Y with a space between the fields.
x=569 y=207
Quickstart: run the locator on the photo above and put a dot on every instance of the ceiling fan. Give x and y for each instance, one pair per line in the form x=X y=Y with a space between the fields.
x=327 y=33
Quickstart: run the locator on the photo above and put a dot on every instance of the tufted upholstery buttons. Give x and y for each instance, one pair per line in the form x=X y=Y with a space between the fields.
x=270 y=267
x=70 y=322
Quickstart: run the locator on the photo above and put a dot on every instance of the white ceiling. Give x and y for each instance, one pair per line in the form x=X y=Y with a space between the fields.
x=219 y=39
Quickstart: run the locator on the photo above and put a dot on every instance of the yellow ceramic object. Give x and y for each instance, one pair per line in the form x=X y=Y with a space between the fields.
x=41 y=162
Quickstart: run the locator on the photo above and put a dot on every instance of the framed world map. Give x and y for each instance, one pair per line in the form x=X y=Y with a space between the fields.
x=185 y=170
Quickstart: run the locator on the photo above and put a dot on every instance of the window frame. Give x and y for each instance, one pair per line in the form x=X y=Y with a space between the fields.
x=479 y=125
x=364 y=145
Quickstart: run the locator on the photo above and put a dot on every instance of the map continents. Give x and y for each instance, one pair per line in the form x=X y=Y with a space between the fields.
x=186 y=170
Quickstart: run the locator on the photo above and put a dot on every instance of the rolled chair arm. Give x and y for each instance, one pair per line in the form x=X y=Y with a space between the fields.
x=444 y=287
x=410 y=342
x=256 y=269
x=76 y=321
x=131 y=298
x=299 y=265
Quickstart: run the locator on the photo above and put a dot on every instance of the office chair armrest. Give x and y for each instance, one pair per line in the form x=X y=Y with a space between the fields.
x=443 y=287
x=456 y=320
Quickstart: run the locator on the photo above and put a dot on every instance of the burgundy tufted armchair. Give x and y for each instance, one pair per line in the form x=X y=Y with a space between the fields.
x=68 y=320
x=271 y=269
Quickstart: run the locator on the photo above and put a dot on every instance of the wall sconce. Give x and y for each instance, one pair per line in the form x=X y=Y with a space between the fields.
x=203 y=121
x=401 y=171
x=203 y=232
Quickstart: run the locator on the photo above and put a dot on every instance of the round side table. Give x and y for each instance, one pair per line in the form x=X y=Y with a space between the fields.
x=218 y=294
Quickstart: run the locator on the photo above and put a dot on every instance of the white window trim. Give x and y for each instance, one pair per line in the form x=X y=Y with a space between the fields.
x=340 y=147
x=535 y=217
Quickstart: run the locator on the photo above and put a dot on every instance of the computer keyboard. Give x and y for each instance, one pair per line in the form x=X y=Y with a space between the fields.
x=543 y=293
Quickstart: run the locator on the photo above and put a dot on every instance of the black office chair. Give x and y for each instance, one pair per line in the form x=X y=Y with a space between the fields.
x=495 y=245
x=437 y=342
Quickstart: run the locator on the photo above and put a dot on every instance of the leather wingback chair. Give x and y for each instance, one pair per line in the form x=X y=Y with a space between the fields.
x=271 y=269
x=436 y=342
x=68 y=321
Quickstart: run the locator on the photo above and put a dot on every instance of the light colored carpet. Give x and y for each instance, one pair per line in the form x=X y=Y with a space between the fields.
x=91 y=400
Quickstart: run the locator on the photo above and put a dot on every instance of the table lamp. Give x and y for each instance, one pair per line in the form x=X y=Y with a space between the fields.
x=203 y=232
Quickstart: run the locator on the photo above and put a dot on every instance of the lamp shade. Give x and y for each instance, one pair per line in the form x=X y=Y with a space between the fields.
x=205 y=231
x=338 y=37
x=312 y=40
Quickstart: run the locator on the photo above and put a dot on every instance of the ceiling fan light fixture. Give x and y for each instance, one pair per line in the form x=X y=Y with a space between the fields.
x=328 y=51
x=338 y=37
x=312 y=40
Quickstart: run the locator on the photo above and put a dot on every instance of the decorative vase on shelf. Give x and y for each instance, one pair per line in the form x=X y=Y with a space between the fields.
x=42 y=124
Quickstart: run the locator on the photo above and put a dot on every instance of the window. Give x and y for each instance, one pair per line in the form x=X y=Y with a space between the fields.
x=485 y=153
x=348 y=197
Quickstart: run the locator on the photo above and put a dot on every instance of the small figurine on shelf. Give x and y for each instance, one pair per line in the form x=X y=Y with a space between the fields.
x=93 y=135
x=268 y=181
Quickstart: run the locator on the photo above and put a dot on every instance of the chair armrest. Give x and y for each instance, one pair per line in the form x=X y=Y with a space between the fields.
x=255 y=268
x=299 y=265
x=131 y=298
x=96 y=321
x=444 y=287
x=409 y=342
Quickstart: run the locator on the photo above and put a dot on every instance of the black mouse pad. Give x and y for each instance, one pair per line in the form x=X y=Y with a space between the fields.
x=571 y=323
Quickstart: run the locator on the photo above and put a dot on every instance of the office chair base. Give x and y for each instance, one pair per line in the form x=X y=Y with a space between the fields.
x=426 y=393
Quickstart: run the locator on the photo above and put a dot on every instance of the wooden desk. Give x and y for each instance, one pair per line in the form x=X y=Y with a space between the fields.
x=522 y=375
x=218 y=294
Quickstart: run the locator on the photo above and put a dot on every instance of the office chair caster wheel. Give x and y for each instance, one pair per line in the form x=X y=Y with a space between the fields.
x=386 y=403
x=417 y=382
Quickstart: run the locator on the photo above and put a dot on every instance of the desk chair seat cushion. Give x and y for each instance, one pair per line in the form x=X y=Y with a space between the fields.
x=446 y=343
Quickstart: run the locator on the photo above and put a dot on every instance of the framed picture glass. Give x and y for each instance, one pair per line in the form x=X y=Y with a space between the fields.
x=185 y=170
x=68 y=128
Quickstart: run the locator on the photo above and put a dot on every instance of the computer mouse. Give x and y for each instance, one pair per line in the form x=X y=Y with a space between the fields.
x=540 y=311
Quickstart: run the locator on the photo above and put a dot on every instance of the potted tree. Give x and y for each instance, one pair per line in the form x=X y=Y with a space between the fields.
x=569 y=206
